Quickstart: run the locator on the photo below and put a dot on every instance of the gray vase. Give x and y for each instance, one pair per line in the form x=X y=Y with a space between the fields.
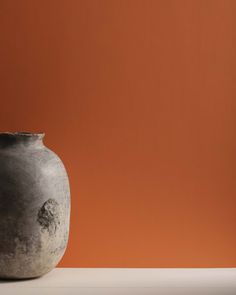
x=34 y=206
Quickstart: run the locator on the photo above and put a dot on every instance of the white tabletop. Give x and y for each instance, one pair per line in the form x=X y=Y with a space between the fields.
x=104 y=281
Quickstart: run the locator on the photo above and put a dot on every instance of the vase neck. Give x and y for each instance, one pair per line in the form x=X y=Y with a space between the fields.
x=24 y=139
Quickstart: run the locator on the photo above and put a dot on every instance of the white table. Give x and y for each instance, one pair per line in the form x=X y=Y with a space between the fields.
x=104 y=281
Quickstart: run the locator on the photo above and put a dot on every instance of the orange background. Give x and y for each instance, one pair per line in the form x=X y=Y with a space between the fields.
x=138 y=99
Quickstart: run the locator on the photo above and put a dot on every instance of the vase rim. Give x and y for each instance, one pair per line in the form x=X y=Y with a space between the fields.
x=25 y=134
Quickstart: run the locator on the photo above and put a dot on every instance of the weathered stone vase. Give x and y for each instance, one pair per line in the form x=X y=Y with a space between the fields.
x=34 y=206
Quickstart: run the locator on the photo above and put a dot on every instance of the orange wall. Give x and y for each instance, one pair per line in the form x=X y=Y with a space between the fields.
x=139 y=100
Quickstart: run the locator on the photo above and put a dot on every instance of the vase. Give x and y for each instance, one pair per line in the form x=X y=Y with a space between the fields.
x=34 y=206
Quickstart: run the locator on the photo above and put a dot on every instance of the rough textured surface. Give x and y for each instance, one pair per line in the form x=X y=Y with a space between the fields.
x=34 y=206
x=49 y=216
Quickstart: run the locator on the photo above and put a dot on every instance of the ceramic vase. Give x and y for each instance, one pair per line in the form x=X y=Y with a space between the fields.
x=34 y=206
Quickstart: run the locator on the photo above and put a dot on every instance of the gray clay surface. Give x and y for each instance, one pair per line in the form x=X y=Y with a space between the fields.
x=34 y=206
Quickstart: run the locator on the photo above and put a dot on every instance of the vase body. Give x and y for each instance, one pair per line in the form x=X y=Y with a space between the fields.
x=34 y=206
